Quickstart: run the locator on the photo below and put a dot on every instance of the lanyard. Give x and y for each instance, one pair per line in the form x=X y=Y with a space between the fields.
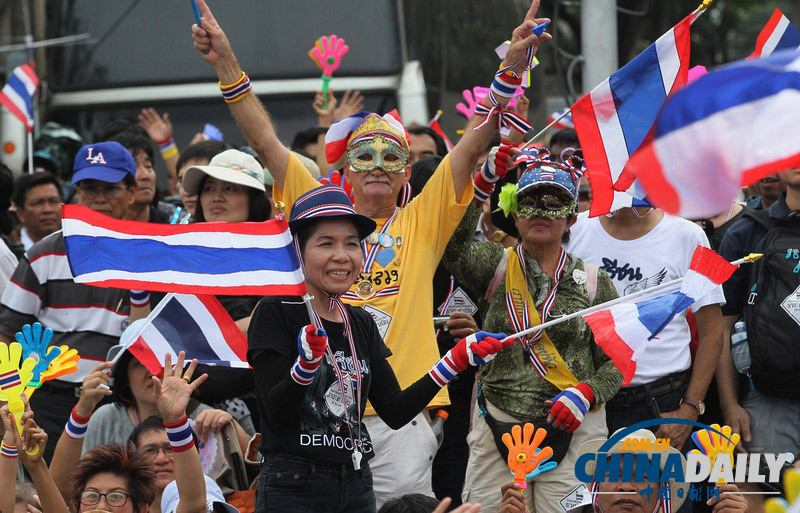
x=524 y=323
x=348 y=332
x=373 y=252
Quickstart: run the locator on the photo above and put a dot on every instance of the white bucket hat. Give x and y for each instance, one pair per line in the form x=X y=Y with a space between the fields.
x=230 y=166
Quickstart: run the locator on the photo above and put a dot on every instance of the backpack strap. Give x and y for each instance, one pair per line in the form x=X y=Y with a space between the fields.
x=498 y=275
x=591 y=280
x=761 y=217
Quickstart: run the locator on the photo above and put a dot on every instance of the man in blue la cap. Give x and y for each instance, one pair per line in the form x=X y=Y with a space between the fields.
x=88 y=319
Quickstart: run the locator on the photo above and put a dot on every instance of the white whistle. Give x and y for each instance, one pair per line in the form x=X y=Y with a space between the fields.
x=356 y=456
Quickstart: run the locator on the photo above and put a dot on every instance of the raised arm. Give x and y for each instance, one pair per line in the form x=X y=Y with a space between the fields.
x=250 y=114
x=8 y=462
x=70 y=444
x=464 y=156
x=33 y=436
x=172 y=395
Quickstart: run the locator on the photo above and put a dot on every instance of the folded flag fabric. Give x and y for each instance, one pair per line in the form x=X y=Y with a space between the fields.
x=198 y=325
x=616 y=116
x=778 y=34
x=202 y=258
x=624 y=330
x=727 y=129
x=17 y=95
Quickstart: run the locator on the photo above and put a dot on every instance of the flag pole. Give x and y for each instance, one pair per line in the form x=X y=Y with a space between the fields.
x=30 y=152
x=280 y=214
x=545 y=129
x=752 y=257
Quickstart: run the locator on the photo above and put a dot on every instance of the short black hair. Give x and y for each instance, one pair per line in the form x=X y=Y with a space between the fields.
x=117 y=126
x=6 y=193
x=441 y=147
x=410 y=503
x=258 y=205
x=151 y=423
x=306 y=137
x=26 y=182
x=203 y=150
x=121 y=389
x=565 y=137
x=135 y=143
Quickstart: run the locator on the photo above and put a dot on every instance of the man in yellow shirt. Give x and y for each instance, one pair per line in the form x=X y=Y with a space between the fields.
x=402 y=255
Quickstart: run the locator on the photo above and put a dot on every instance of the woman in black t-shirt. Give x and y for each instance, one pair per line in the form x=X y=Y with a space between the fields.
x=313 y=379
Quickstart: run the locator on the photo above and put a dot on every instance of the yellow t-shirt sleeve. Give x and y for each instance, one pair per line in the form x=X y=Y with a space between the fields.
x=439 y=208
x=298 y=180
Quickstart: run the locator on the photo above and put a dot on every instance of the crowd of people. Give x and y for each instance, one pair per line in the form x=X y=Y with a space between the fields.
x=357 y=401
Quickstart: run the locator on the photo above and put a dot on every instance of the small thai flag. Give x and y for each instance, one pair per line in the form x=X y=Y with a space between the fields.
x=10 y=379
x=17 y=95
x=778 y=34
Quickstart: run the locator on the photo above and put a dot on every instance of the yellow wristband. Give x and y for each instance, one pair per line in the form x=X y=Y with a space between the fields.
x=169 y=153
x=238 y=98
x=241 y=79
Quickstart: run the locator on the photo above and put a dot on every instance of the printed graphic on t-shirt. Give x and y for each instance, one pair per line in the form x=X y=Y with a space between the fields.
x=646 y=283
x=460 y=302
x=331 y=418
x=381 y=318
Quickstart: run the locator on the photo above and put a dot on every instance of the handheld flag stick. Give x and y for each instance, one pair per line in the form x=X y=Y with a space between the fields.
x=752 y=257
x=30 y=152
x=545 y=129
x=280 y=213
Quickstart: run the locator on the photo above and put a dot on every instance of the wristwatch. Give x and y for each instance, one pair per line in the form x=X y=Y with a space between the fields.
x=700 y=406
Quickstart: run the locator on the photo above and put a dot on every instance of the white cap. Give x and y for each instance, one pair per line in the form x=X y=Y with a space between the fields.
x=170 y=497
x=230 y=166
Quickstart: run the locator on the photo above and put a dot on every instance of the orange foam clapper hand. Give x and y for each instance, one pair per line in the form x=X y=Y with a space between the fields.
x=525 y=459
x=15 y=374
x=65 y=363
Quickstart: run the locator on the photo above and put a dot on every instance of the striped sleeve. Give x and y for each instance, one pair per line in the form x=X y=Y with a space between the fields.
x=22 y=298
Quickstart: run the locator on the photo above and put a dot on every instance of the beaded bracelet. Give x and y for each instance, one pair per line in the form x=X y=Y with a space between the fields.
x=180 y=435
x=76 y=425
x=168 y=148
x=140 y=298
x=9 y=451
x=235 y=92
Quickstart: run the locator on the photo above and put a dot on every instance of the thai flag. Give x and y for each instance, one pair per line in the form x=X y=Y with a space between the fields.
x=17 y=95
x=725 y=130
x=778 y=34
x=614 y=119
x=198 y=325
x=563 y=123
x=10 y=379
x=202 y=258
x=623 y=330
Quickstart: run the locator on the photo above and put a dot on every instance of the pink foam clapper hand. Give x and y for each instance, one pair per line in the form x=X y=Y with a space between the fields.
x=15 y=374
x=474 y=97
x=327 y=53
x=501 y=52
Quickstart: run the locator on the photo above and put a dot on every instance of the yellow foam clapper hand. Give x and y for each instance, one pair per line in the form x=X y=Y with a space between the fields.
x=525 y=459
x=791 y=488
x=65 y=363
x=712 y=444
x=15 y=374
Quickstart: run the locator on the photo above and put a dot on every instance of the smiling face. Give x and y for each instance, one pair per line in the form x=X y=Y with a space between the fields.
x=332 y=255
x=224 y=201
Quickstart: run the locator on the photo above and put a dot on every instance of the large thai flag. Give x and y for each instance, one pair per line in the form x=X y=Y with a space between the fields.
x=202 y=258
x=624 y=330
x=616 y=116
x=778 y=34
x=17 y=95
x=725 y=130
x=198 y=325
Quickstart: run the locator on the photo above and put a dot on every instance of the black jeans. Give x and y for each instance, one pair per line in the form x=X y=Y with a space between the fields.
x=297 y=485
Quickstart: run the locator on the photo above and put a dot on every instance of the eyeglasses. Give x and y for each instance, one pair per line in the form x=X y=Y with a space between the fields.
x=109 y=191
x=151 y=450
x=115 y=499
